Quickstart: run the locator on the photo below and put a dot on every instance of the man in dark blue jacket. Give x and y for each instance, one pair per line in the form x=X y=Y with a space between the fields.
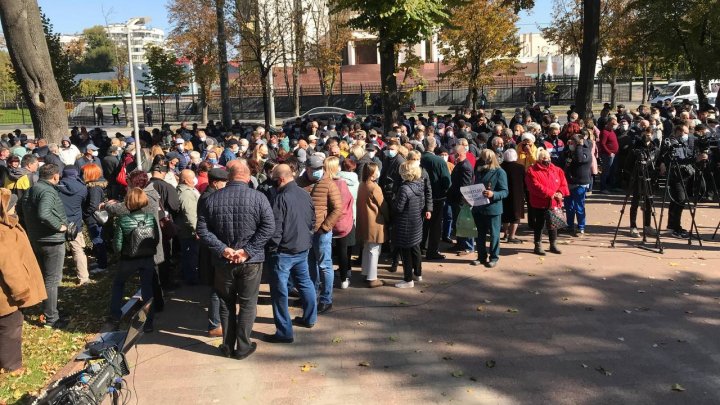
x=461 y=176
x=236 y=223
x=439 y=174
x=73 y=194
x=294 y=224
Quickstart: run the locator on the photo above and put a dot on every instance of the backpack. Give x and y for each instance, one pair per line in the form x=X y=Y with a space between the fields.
x=142 y=241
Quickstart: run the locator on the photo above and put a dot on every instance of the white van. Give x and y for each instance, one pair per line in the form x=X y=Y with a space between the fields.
x=678 y=91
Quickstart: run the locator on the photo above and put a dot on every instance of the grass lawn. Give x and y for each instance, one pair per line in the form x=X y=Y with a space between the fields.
x=45 y=351
x=14 y=116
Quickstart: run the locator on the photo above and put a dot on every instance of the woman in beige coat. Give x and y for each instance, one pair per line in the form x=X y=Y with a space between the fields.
x=21 y=282
x=372 y=216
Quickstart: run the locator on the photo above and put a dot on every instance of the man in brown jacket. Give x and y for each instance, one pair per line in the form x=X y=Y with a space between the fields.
x=21 y=282
x=328 y=209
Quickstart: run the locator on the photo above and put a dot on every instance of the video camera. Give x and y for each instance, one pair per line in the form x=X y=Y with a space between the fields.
x=706 y=143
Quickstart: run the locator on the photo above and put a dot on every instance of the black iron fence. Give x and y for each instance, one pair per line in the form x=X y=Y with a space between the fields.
x=247 y=102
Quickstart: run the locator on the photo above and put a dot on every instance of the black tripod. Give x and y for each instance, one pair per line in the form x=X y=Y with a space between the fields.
x=641 y=177
x=674 y=172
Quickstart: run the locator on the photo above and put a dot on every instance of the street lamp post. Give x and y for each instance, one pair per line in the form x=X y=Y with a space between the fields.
x=133 y=100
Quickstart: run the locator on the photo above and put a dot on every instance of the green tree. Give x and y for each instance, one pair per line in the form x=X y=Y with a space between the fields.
x=482 y=43
x=100 y=54
x=165 y=76
x=193 y=36
x=396 y=23
x=60 y=61
x=687 y=30
x=9 y=89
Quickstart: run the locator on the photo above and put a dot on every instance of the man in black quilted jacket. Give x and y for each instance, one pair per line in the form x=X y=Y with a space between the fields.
x=236 y=223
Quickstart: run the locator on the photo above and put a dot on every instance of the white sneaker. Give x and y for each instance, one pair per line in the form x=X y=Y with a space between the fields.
x=634 y=233
x=345 y=284
x=417 y=279
x=649 y=231
x=405 y=284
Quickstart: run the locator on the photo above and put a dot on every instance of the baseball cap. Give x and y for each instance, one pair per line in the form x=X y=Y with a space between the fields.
x=316 y=161
x=91 y=147
x=179 y=141
x=217 y=174
x=312 y=138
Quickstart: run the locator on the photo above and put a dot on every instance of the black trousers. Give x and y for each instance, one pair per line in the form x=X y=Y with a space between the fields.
x=539 y=222
x=678 y=194
x=412 y=262
x=647 y=210
x=11 y=341
x=343 y=248
x=432 y=229
x=238 y=284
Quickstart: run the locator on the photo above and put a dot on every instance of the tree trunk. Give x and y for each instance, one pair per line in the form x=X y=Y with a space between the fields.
x=323 y=87
x=388 y=81
x=299 y=45
x=265 y=96
x=223 y=58
x=591 y=40
x=202 y=101
x=646 y=96
x=29 y=53
x=613 y=90
x=701 y=88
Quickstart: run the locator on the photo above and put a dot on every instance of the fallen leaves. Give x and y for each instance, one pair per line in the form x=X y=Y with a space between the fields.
x=603 y=371
x=490 y=364
x=337 y=340
x=457 y=374
x=364 y=364
x=677 y=388
x=512 y=310
x=307 y=367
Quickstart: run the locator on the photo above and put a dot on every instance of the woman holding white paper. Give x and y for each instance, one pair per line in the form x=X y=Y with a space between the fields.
x=487 y=216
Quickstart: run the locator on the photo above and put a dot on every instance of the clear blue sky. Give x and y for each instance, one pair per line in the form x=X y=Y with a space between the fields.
x=72 y=16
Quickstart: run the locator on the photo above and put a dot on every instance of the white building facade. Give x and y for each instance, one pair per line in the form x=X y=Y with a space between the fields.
x=140 y=36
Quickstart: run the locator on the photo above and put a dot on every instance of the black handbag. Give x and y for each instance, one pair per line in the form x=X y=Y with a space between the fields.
x=71 y=232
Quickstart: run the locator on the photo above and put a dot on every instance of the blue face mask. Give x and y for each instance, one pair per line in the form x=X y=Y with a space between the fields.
x=685 y=138
x=213 y=161
x=391 y=153
x=317 y=174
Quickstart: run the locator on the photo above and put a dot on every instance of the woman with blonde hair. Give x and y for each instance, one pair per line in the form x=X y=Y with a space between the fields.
x=488 y=216
x=408 y=208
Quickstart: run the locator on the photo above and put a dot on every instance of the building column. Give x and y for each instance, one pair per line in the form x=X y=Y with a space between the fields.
x=378 y=53
x=351 y=53
x=434 y=54
x=423 y=55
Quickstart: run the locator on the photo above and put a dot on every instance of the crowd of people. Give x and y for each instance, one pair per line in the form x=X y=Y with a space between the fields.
x=219 y=206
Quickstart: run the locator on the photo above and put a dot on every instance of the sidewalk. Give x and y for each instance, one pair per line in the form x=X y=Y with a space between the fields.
x=595 y=325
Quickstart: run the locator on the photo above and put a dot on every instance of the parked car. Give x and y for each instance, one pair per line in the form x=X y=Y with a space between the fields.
x=247 y=126
x=678 y=92
x=322 y=114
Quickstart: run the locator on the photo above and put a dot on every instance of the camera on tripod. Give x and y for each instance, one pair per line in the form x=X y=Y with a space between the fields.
x=642 y=155
x=707 y=144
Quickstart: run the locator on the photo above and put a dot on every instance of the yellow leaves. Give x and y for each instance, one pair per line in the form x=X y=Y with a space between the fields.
x=307 y=367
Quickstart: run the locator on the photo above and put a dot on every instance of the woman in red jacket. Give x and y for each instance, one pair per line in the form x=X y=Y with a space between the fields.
x=546 y=186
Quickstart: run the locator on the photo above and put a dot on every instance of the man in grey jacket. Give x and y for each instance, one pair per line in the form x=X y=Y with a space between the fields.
x=186 y=224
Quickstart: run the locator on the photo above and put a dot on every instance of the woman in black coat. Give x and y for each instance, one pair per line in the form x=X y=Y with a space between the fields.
x=96 y=185
x=408 y=208
x=514 y=204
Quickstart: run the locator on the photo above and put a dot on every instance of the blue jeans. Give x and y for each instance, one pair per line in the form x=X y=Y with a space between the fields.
x=575 y=207
x=215 y=310
x=189 y=250
x=285 y=267
x=99 y=248
x=608 y=165
x=447 y=221
x=145 y=266
x=321 y=268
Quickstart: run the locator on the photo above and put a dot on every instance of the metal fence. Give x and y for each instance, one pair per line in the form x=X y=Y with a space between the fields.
x=247 y=103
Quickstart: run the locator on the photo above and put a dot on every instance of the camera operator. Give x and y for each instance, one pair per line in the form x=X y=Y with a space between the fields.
x=706 y=150
x=641 y=163
x=677 y=149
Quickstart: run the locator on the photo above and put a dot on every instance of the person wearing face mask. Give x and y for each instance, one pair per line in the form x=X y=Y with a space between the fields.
x=230 y=153
x=390 y=174
x=680 y=178
x=648 y=148
x=328 y=209
x=461 y=176
x=578 y=169
x=199 y=142
x=608 y=147
x=488 y=217
x=514 y=203
x=448 y=140
x=526 y=150
x=186 y=223
x=373 y=215
x=182 y=153
x=439 y=177
x=546 y=185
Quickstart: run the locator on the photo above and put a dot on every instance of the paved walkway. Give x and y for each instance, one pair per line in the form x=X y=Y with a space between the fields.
x=595 y=325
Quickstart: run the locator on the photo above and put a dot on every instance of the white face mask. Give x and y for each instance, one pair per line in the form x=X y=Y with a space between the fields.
x=95 y=153
x=445 y=157
x=195 y=181
x=371 y=155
